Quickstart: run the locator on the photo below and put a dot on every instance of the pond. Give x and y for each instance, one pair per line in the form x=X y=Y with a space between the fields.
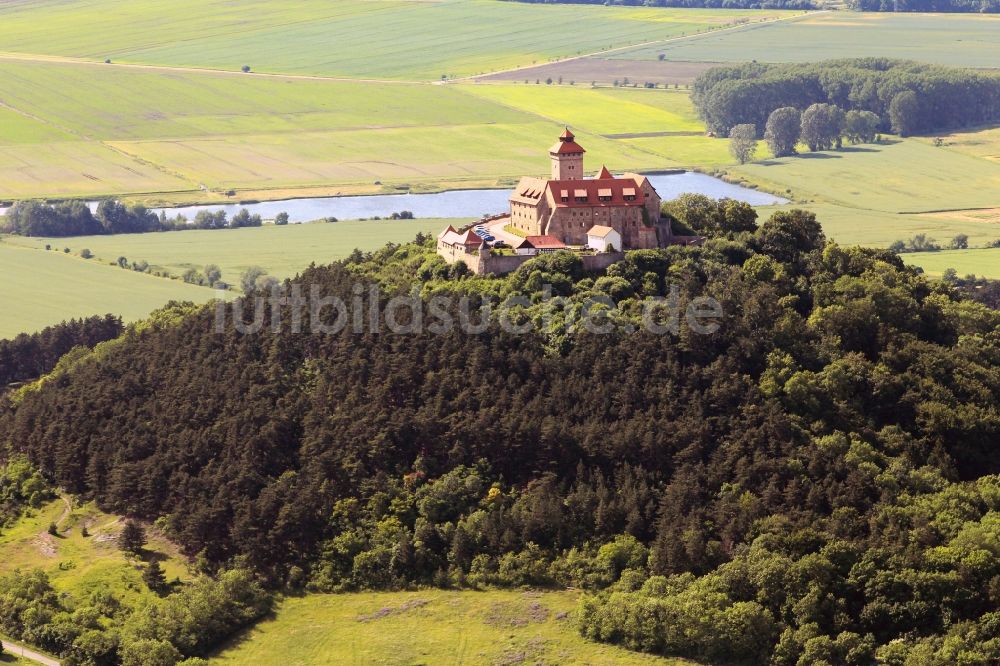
x=462 y=203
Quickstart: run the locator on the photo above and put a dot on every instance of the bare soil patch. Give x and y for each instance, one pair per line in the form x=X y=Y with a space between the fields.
x=603 y=71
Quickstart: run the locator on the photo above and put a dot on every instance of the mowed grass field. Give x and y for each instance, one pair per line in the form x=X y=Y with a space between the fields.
x=876 y=194
x=981 y=262
x=80 y=565
x=43 y=288
x=283 y=251
x=436 y=627
x=372 y=39
x=967 y=40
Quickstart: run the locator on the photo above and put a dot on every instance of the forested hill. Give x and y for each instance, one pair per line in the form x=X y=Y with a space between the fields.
x=807 y=482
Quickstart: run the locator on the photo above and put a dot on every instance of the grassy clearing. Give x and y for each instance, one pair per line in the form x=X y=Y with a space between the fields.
x=80 y=565
x=981 y=262
x=378 y=38
x=282 y=251
x=429 y=627
x=948 y=39
x=44 y=288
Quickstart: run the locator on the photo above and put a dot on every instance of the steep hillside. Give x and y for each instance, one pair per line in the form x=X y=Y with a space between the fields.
x=804 y=476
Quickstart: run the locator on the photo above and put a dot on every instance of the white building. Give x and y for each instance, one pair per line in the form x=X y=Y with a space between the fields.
x=603 y=239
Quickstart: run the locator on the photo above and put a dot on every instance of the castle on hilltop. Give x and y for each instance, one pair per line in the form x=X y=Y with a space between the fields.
x=599 y=217
x=568 y=206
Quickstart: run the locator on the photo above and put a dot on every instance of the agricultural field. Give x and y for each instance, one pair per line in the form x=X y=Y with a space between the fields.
x=375 y=39
x=44 y=288
x=283 y=251
x=79 y=565
x=604 y=111
x=877 y=194
x=437 y=627
x=968 y=40
x=981 y=262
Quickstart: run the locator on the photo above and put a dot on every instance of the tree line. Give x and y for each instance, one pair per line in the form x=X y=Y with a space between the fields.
x=815 y=480
x=31 y=355
x=942 y=6
x=74 y=218
x=907 y=97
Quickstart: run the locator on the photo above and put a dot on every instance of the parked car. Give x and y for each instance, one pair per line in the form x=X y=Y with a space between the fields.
x=500 y=244
x=489 y=239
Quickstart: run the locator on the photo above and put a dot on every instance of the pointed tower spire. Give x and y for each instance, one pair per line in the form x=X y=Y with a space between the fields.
x=567 y=158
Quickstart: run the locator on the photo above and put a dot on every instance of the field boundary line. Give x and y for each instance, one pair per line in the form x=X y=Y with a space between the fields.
x=66 y=60
x=668 y=40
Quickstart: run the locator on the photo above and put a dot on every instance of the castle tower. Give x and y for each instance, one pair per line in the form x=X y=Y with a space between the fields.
x=567 y=158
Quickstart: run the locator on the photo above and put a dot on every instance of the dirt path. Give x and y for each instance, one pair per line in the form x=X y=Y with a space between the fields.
x=25 y=653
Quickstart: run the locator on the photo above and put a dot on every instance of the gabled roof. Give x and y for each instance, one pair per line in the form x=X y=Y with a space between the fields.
x=612 y=190
x=528 y=191
x=545 y=242
x=467 y=238
x=604 y=173
x=447 y=230
x=600 y=231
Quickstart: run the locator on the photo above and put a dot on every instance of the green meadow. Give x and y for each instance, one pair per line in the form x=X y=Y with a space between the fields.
x=78 y=564
x=374 y=39
x=443 y=628
x=281 y=250
x=876 y=194
x=980 y=262
x=968 y=40
x=43 y=288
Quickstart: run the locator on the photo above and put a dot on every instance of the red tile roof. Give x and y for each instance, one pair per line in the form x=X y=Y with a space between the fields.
x=604 y=173
x=567 y=145
x=545 y=242
x=612 y=190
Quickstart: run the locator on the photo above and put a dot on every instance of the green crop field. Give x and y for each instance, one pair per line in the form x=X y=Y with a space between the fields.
x=283 y=251
x=43 y=288
x=373 y=39
x=981 y=262
x=92 y=130
x=79 y=565
x=948 y=39
x=869 y=194
x=428 y=627
x=598 y=110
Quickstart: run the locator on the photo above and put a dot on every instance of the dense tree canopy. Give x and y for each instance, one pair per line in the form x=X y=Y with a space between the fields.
x=29 y=356
x=942 y=97
x=807 y=481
